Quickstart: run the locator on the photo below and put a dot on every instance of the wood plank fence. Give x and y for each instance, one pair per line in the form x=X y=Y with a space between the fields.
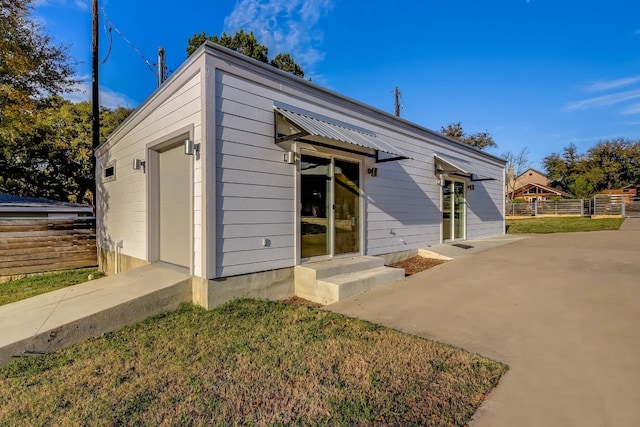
x=34 y=245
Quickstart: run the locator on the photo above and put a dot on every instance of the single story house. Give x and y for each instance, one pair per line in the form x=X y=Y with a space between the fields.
x=32 y=207
x=533 y=191
x=241 y=174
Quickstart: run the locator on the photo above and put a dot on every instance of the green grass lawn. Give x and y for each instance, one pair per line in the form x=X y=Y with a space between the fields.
x=249 y=362
x=561 y=224
x=27 y=287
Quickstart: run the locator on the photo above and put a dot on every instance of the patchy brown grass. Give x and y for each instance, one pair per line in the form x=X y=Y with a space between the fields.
x=30 y=286
x=249 y=363
x=295 y=300
x=417 y=264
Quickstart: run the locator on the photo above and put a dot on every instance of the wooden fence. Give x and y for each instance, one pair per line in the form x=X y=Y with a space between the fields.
x=34 y=245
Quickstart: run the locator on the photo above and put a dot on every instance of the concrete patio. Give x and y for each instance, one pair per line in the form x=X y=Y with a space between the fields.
x=562 y=310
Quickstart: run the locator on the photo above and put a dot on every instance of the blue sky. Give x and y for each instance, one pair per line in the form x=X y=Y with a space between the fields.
x=533 y=73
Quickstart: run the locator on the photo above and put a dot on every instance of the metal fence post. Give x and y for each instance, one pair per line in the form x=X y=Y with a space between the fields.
x=581 y=207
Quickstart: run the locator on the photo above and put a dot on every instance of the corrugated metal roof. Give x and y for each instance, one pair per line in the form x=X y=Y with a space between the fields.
x=455 y=163
x=337 y=130
x=449 y=162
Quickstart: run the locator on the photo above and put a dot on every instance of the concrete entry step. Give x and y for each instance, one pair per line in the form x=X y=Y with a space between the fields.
x=61 y=318
x=327 y=282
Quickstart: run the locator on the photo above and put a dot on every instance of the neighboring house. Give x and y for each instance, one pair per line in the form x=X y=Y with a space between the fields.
x=18 y=207
x=532 y=191
x=532 y=185
x=628 y=193
x=530 y=176
x=279 y=173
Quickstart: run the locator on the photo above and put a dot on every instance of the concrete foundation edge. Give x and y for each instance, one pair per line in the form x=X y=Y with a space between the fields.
x=110 y=262
x=272 y=285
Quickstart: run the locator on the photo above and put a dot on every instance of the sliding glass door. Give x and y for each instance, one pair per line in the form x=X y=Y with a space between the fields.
x=330 y=206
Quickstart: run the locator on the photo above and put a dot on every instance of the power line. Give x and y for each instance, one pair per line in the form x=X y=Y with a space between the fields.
x=107 y=31
x=112 y=25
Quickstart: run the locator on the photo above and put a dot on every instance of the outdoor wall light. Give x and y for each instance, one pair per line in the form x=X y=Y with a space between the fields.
x=191 y=148
x=372 y=171
x=471 y=187
x=139 y=164
x=290 y=157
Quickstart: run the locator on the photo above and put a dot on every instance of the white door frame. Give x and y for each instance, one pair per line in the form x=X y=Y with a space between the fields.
x=152 y=151
x=331 y=155
x=444 y=179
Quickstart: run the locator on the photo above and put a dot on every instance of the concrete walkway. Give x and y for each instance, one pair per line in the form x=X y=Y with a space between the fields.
x=60 y=318
x=562 y=310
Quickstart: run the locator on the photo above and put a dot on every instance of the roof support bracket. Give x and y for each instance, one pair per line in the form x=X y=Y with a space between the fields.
x=290 y=137
x=390 y=159
x=481 y=179
x=462 y=175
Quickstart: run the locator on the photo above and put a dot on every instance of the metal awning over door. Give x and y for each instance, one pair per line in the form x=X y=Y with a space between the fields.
x=451 y=166
x=314 y=125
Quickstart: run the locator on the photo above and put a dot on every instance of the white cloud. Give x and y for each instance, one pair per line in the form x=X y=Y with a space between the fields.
x=605 y=101
x=612 y=84
x=284 y=26
x=80 y=4
x=108 y=98
x=631 y=109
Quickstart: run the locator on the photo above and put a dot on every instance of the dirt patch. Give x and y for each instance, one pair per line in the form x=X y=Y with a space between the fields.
x=417 y=264
x=300 y=302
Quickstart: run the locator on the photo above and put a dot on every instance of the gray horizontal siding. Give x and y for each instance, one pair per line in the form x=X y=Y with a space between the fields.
x=230 y=231
x=122 y=208
x=255 y=188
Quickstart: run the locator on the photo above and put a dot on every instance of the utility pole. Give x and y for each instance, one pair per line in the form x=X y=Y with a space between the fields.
x=95 y=120
x=398 y=95
x=162 y=68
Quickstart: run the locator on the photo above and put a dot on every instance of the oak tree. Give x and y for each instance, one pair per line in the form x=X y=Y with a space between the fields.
x=479 y=140
x=32 y=67
x=54 y=158
x=247 y=44
x=609 y=164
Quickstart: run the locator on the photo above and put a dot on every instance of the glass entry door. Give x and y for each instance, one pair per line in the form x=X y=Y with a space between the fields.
x=347 y=207
x=330 y=206
x=453 y=210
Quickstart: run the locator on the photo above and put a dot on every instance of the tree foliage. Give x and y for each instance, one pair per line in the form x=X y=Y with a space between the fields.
x=45 y=141
x=53 y=157
x=247 y=44
x=285 y=62
x=609 y=164
x=32 y=67
x=479 y=140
